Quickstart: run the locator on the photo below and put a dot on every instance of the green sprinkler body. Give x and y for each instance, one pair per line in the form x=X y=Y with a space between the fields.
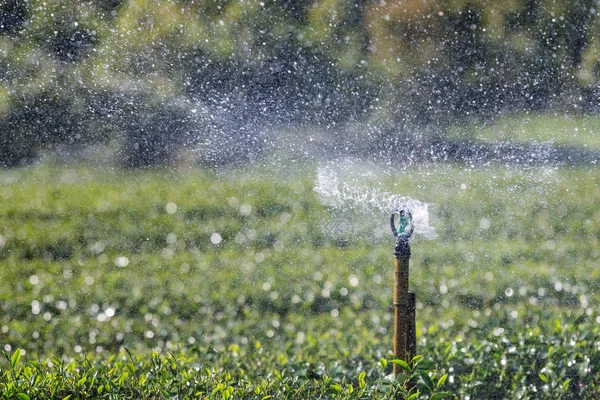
x=402 y=224
x=403 y=232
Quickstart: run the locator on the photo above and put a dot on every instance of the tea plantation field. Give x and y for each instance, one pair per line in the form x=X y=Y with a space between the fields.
x=242 y=284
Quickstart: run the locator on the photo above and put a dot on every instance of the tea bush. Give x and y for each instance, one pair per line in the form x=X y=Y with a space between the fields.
x=232 y=283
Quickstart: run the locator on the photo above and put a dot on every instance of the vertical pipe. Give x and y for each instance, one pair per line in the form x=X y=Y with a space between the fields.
x=412 y=328
x=404 y=313
x=402 y=321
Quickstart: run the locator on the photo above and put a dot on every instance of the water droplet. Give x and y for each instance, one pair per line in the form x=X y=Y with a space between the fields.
x=484 y=223
x=35 y=307
x=246 y=209
x=97 y=247
x=285 y=217
x=171 y=208
x=558 y=286
x=215 y=238
x=278 y=246
x=171 y=238
x=122 y=261
x=240 y=238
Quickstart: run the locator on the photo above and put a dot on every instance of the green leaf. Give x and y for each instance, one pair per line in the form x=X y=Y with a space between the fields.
x=403 y=364
x=557 y=325
x=441 y=381
x=425 y=365
x=402 y=378
x=565 y=385
x=361 y=380
x=442 y=395
x=383 y=362
x=413 y=396
x=416 y=359
x=427 y=380
x=23 y=396
x=544 y=378
x=336 y=387
x=71 y=366
x=130 y=367
x=122 y=378
x=15 y=358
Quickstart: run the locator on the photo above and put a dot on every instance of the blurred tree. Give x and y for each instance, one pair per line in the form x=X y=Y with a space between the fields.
x=155 y=130
x=248 y=63
x=13 y=15
x=455 y=59
x=109 y=6
x=44 y=100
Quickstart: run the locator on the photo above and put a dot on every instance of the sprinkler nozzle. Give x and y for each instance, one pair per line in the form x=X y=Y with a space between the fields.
x=403 y=232
x=405 y=223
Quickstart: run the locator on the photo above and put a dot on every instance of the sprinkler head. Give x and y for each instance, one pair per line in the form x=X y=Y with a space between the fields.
x=403 y=232
x=405 y=223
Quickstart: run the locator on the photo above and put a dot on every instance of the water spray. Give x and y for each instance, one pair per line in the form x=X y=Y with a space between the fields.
x=341 y=186
x=405 y=340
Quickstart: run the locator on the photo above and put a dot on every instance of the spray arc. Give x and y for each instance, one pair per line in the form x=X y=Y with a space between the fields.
x=405 y=343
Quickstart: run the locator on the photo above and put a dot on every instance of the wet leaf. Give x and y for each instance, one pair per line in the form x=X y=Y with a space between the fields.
x=16 y=357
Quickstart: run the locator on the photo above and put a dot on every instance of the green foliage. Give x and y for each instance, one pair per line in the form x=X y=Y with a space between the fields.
x=563 y=130
x=186 y=376
x=235 y=282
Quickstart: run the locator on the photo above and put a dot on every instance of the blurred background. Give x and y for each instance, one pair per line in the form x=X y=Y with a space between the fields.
x=160 y=82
